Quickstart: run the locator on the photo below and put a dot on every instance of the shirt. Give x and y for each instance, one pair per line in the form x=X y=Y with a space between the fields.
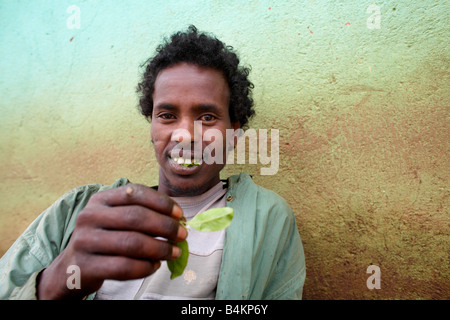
x=199 y=279
x=262 y=257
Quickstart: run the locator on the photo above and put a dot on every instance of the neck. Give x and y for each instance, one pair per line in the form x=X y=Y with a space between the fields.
x=185 y=191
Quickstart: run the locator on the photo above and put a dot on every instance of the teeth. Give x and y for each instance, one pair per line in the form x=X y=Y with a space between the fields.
x=186 y=161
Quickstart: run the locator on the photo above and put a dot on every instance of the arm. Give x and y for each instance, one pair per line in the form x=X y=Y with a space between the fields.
x=40 y=243
x=289 y=273
x=113 y=237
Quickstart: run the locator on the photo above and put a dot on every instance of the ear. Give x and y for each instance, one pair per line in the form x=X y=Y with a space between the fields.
x=236 y=125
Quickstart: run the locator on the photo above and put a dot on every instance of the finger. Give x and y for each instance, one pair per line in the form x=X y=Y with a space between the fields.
x=136 y=218
x=120 y=268
x=139 y=195
x=128 y=244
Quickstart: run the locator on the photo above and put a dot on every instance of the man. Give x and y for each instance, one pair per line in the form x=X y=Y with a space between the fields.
x=112 y=242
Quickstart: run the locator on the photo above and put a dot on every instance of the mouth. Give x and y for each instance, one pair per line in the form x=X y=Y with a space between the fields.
x=184 y=165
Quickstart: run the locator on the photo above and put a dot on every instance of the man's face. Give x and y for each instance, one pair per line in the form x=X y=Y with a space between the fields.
x=185 y=93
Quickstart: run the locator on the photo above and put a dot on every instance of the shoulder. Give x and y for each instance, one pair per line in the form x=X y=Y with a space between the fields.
x=266 y=201
x=43 y=240
x=55 y=224
x=243 y=186
x=88 y=190
x=64 y=210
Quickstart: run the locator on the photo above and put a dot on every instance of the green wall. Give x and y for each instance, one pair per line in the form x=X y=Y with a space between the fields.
x=362 y=106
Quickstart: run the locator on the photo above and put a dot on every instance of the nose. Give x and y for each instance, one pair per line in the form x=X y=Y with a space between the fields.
x=187 y=132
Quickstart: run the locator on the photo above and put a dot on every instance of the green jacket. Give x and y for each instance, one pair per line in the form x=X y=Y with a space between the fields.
x=262 y=257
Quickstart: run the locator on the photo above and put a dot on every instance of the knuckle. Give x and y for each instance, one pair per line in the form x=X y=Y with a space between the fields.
x=164 y=251
x=132 y=217
x=133 y=189
x=126 y=269
x=96 y=197
x=80 y=241
x=85 y=216
x=120 y=268
x=129 y=242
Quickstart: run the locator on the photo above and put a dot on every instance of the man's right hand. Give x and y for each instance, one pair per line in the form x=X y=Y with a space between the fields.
x=115 y=238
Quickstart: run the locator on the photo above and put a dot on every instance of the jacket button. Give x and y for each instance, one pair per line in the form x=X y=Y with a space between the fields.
x=230 y=198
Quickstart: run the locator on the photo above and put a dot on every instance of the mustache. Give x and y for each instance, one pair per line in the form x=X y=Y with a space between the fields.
x=206 y=153
x=189 y=150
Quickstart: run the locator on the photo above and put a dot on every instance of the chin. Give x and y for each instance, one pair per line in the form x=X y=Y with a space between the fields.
x=187 y=189
x=194 y=181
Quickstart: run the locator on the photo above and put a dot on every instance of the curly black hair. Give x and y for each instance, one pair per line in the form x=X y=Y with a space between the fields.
x=206 y=51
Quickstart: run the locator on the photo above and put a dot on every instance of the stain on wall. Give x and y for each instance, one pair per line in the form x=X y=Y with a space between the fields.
x=359 y=91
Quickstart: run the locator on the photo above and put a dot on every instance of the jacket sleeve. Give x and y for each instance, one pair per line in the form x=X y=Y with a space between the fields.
x=263 y=255
x=289 y=272
x=42 y=242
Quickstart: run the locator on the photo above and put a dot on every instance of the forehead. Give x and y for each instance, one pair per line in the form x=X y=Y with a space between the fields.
x=191 y=82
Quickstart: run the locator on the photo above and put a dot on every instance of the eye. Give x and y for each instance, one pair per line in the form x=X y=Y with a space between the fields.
x=208 y=117
x=166 y=116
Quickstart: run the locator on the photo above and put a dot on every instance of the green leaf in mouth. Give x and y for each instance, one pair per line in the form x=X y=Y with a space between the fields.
x=191 y=164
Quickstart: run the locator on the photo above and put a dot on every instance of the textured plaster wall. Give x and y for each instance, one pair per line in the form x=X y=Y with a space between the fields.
x=361 y=102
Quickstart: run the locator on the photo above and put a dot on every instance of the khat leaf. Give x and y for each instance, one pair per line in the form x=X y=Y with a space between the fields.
x=211 y=220
x=178 y=265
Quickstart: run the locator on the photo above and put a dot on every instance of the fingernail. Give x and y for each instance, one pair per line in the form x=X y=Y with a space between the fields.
x=177 y=212
x=176 y=252
x=182 y=233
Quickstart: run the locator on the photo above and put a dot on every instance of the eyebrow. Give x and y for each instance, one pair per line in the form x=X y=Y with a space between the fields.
x=166 y=106
x=199 y=108
x=208 y=107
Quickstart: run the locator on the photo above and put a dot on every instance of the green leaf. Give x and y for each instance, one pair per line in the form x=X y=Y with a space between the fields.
x=178 y=265
x=212 y=220
x=191 y=164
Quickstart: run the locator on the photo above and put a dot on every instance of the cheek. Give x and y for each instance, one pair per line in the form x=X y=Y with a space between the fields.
x=159 y=132
x=153 y=133
x=216 y=141
x=158 y=139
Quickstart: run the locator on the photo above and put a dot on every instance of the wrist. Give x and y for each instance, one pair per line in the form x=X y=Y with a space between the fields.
x=51 y=284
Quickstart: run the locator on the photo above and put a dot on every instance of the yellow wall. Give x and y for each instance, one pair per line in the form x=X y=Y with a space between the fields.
x=362 y=106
